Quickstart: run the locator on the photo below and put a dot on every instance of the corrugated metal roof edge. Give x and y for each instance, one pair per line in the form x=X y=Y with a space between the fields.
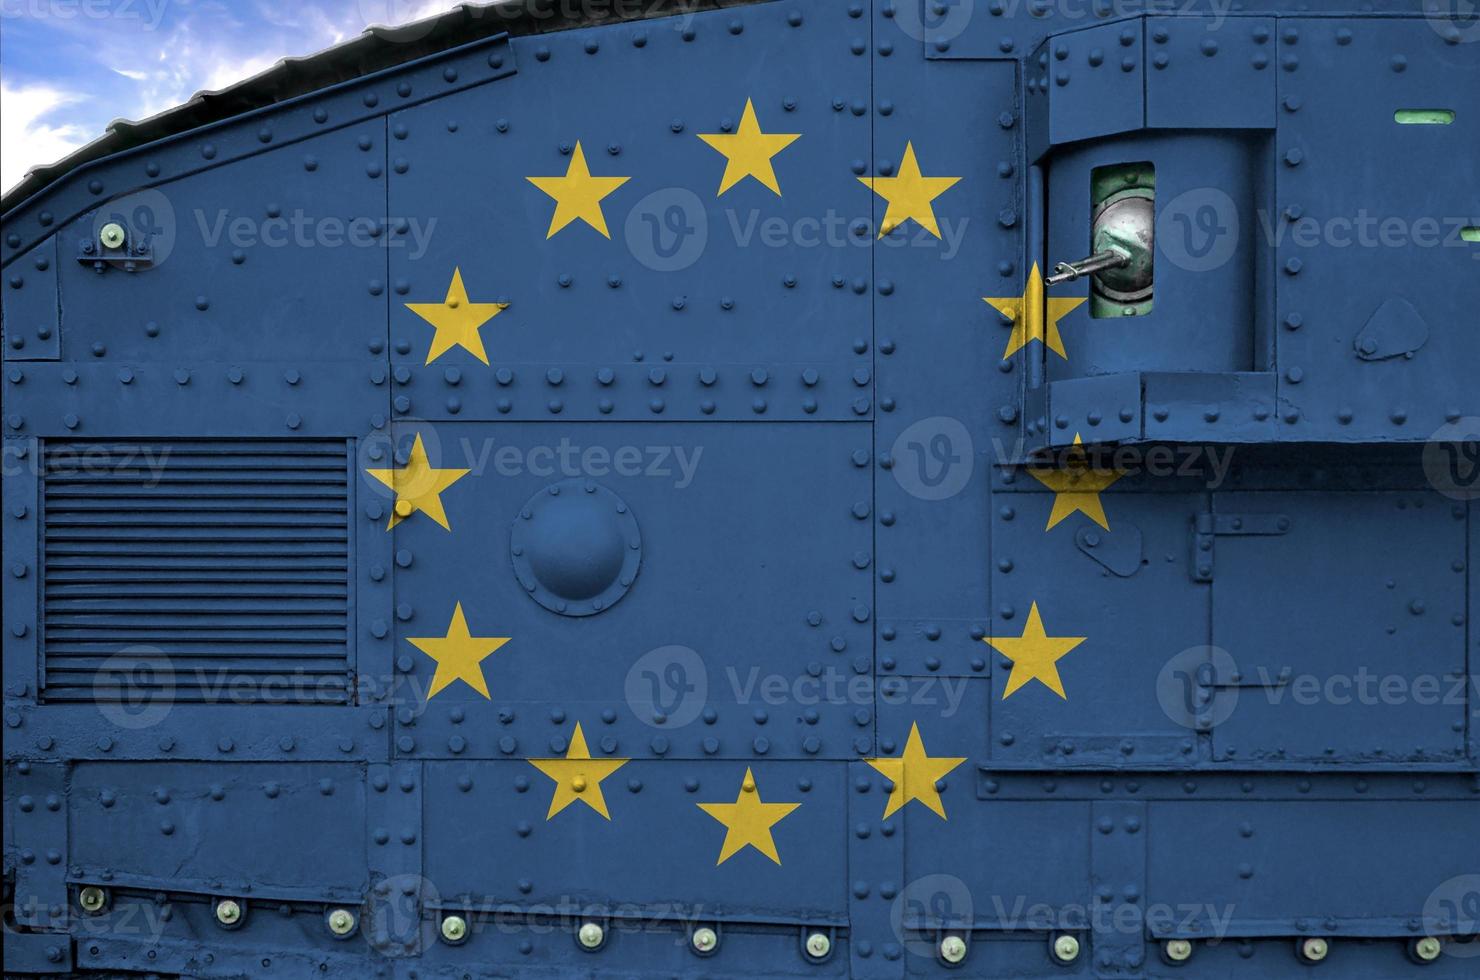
x=378 y=49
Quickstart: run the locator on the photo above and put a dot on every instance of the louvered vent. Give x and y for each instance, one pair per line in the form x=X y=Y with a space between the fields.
x=204 y=570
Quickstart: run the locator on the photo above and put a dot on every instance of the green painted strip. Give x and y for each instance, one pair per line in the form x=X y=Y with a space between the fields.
x=1424 y=117
x=1470 y=234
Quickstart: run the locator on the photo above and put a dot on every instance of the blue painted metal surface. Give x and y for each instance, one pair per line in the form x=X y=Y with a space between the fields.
x=562 y=507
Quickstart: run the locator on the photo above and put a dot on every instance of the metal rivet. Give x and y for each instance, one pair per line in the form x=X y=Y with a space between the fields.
x=1427 y=949
x=818 y=945
x=228 y=912
x=1178 y=950
x=454 y=928
x=591 y=935
x=1066 y=949
x=341 y=922
x=92 y=899
x=953 y=949
x=705 y=939
x=1314 y=949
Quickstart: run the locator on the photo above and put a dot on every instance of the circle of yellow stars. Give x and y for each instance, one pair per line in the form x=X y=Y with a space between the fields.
x=749 y=151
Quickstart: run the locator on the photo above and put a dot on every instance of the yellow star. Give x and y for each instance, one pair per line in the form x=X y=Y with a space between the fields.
x=909 y=194
x=577 y=194
x=578 y=776
x=457 y=320
x=1027 y=315
x=418 y=487
x=914 y=775
x=1034 y=655
x=1076 y=486
x=748 y=821
x=459 y=656
x=748 y=151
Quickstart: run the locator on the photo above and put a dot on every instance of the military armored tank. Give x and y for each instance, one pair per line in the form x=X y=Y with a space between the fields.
x=814 y=488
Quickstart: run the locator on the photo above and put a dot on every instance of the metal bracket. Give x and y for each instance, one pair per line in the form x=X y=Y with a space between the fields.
x=1206 y=528
x=128 y=257
x=1395 y=330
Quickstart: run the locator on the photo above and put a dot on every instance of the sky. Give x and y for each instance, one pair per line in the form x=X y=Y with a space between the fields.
x=70 y=67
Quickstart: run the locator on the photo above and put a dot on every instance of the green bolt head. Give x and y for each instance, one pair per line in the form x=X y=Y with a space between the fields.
x=1178 y=950
x=341 y=922
x=818 y=945
x=228 y=912
x=591 y=935
x=1428 y=949
x=1066 y=948
x=454 y=928
x=92 y=899
x=953 y=949
x=705 y=939
x=112 y=235
x=1314 y=949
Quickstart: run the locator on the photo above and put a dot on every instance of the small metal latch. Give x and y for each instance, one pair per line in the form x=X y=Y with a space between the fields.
x=1206 y=528
x=1118 y=552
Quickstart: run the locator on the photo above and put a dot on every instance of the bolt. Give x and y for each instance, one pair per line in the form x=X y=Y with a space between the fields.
x=1427 y=949
x=953 y=949
x=1315 y=949
x=454 y=928
x=1066 y=949
x=818 y=945
x=92 y=899
x=705 y=939
x=112 y=235
x=591 y=935
x=1178 y=950
x=341 y=922
x=228 y=912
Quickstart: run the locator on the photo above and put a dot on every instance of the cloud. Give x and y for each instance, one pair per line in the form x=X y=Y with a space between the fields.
x=51 y=104
x=27 y=137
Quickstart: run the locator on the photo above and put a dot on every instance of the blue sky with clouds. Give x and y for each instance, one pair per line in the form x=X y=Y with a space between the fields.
x=69 y=67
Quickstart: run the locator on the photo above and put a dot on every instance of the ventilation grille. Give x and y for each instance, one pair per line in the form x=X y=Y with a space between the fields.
x=201 y=571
